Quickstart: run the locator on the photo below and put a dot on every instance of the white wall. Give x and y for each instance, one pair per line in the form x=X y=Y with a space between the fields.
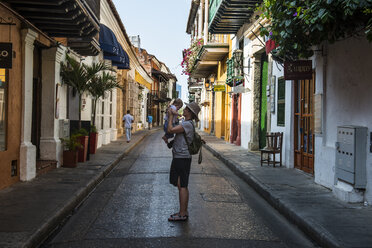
x=287 y=129
x=346 y=93
x=247 y=100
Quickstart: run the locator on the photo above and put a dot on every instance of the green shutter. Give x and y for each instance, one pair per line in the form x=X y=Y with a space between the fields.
x=281 y=102
x=263 y=126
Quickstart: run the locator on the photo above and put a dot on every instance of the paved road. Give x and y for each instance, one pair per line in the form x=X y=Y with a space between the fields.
x=131 y=206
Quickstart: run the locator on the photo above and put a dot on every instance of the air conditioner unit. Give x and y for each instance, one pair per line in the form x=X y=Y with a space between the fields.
x=64 y=128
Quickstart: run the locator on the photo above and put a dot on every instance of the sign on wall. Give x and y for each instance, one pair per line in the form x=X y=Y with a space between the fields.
x=298 y=70
x=6 y=55
x=219 y=87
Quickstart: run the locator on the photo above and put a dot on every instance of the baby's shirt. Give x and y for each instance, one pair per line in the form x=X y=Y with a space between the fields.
x=166 y=117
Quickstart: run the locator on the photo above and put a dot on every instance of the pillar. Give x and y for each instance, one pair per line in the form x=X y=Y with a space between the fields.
x=50 y=144
x=27 y=149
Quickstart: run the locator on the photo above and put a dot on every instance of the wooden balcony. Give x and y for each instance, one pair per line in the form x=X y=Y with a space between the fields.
x=72 y=19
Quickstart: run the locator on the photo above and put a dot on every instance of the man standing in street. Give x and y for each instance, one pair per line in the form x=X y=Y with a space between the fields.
x=128 y=120
x=149 y=120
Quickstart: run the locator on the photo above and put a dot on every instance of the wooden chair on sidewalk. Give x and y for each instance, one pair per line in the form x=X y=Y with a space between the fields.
x=274 y=143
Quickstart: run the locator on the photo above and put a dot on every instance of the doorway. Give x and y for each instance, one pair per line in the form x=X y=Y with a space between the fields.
x=304 y=125
x=36 y=102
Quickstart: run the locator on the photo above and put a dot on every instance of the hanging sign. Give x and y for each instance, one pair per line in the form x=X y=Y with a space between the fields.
x=298 y=70
x=219 y=87
x=6 y=55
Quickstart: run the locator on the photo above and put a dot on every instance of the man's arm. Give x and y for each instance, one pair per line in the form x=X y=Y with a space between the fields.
x=171 y=129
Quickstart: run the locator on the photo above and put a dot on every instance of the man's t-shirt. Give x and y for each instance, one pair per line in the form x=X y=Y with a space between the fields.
x=180 y=149
x=149 y=119
x=128 y=120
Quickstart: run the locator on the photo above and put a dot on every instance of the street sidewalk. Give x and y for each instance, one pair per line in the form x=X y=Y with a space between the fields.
x=30 y=211
x=330 y=222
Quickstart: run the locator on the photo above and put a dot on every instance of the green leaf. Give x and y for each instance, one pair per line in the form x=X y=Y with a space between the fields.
x=321 y=12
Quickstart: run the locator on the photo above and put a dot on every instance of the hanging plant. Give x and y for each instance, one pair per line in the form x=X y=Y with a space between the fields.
x=298 y=25
x=190 y=56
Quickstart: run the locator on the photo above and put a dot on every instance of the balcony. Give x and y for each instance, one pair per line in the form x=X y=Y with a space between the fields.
x=75 y=20
x=216 y=49
x=227 y=16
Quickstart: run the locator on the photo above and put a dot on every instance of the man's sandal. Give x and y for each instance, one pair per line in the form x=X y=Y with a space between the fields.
x=178 y=217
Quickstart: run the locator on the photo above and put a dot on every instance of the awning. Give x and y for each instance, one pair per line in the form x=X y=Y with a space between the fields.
x=112 y=50
x=141 y=80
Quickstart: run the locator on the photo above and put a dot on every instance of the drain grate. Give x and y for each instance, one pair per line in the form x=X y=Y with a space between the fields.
x=221 y=198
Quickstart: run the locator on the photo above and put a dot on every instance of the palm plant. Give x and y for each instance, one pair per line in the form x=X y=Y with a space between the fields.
x=97 y=87
x=78 y=76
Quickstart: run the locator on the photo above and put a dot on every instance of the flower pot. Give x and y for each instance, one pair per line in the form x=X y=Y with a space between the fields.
x=70 y=158
x=93 y=140
x=83 y=152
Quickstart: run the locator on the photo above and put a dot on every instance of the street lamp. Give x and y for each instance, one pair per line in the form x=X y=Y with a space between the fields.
x=238 y=66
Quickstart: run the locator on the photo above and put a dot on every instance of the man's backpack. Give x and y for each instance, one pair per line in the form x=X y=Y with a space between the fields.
x=196 y=145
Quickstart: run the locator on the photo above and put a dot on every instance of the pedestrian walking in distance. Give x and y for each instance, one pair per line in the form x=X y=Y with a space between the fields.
x=128 y=120
x=181 y=162
x=149 y=120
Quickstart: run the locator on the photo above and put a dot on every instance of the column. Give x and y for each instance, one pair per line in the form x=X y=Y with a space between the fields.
x=200 y=21
x=206 y=20
x=114 y=130
x=27 y=149
x=50 y=144
x=253 y=145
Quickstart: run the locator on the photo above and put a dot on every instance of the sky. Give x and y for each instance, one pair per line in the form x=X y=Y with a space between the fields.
x=161 y=26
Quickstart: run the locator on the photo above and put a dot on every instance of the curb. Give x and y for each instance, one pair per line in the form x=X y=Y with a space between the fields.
x=315 y=231
x=51 y=224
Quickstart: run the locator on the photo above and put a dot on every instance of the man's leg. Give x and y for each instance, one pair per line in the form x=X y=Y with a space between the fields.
x=127 y=132
x=183 y=198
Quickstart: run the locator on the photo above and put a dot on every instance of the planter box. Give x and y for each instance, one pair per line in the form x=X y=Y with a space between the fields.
x=70 y=159
x=83 y=152
x=93 y=140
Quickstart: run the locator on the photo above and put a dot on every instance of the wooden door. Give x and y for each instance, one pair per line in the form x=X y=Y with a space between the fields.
x=304 y=125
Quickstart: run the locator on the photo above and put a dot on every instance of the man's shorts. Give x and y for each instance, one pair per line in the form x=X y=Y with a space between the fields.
x=180 y=167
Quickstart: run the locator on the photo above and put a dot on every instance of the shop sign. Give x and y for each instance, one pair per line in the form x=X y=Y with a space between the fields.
x=6 y=55
x=219 y=87
x=298 y=70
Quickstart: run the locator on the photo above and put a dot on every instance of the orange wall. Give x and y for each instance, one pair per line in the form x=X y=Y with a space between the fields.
x=14 y=108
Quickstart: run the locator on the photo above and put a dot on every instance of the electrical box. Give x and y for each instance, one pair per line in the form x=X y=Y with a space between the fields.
x=351 y=154
x=64 y=128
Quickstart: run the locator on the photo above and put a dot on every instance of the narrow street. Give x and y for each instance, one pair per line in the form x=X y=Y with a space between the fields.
x=131 y=206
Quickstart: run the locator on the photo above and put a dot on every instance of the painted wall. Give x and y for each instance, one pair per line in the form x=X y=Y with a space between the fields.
x=220 y=99
x=14 y=108
x=287 y=129
x=346 y=88
x=246 y=97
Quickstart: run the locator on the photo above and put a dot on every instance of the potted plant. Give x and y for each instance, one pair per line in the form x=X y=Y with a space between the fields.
x=93 y=139
x=70 y=151
x=83 y=137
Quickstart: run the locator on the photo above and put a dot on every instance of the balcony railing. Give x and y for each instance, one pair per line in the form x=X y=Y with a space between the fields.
x=155 y=94
x=218 y=38
x=164 y=94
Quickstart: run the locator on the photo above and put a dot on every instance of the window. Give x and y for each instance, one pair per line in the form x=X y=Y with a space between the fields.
x=3 y=107
x=281 y=102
